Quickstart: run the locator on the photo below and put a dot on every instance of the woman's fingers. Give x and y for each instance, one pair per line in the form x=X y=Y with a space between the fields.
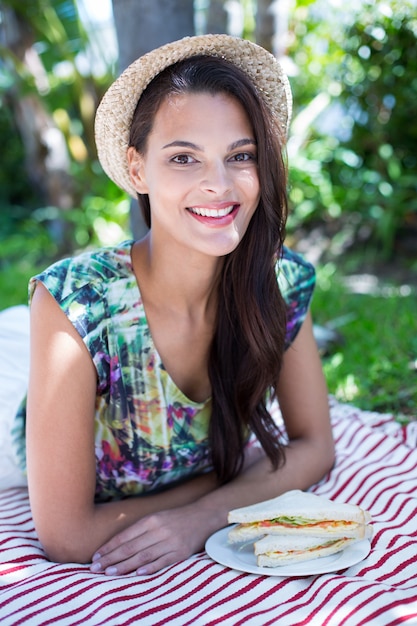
x=130 y=558
x=117 y=548
x=148 y=545
x=128 y=550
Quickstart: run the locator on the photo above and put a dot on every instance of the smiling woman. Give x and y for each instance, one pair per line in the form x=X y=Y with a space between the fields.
x=210 y=179
x=161 y=356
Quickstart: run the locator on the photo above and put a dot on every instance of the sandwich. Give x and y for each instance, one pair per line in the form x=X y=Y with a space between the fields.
x=276 y=550
x=299 y=513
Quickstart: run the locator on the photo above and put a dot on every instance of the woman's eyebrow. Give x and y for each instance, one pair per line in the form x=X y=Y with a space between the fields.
x=183 y=144
x=178 y=143
x=240 y=143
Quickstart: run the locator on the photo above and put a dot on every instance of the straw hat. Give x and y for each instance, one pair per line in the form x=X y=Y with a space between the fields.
x=115 y=112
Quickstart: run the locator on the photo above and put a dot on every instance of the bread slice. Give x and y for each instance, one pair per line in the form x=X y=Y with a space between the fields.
x=274 y=551
x=298 y=512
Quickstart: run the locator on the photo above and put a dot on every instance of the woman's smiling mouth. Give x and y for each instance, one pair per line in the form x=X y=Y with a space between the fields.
x=216 y=213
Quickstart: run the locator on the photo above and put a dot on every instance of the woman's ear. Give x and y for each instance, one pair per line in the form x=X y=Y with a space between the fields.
x=136 y=170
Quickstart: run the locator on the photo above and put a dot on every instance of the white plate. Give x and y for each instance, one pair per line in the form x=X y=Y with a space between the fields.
x=241 y=557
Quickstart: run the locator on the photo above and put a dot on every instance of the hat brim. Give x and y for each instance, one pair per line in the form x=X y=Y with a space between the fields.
x=115 y=112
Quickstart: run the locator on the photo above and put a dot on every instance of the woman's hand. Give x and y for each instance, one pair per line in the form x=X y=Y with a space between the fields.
x=156 y=541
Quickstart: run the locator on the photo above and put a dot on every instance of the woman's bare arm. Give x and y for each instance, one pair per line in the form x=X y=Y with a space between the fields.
x=60 y=445
x=155 y=530
x=164 y=537
x=61 y=461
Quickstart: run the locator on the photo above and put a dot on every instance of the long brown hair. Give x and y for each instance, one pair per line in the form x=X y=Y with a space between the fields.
x=248 y=344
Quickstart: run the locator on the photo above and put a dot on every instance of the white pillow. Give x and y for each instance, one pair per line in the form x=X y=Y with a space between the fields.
x=14 y=374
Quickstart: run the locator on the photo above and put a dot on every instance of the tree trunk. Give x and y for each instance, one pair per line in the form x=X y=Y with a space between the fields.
x=217 y=17
x=272 y=25
x=265 y=24
x=142 y=25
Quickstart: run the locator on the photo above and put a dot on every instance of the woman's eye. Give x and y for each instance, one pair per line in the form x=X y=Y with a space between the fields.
x=182 y=159
x=244 y=156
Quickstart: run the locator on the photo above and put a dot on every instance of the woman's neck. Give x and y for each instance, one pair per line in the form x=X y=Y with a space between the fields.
x=182 y=280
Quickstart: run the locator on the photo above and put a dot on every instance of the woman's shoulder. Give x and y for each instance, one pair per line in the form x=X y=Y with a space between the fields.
x=90 y=269
x=296 y=279
x=293 y=270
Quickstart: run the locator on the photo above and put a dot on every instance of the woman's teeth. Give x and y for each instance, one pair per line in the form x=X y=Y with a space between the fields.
x=212 y=212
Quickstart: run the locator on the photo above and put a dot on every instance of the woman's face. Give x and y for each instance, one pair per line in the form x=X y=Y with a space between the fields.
x=200 y=172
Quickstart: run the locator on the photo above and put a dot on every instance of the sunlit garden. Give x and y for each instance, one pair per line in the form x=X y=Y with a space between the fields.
x=352 y=161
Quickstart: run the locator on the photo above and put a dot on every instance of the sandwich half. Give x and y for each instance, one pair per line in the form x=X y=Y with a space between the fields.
x=299 y=513
x=275 y=550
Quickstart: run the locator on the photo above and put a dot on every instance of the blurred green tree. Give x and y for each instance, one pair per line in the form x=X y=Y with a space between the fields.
x=49 y=92
x=352 y=151
x=352 y=161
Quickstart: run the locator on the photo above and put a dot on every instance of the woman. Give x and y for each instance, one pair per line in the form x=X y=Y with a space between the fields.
x=153 y=363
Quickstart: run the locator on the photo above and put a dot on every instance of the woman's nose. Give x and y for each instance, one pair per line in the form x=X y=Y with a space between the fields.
x=216 y=178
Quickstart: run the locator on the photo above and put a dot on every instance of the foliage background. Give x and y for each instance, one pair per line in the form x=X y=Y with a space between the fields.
x=353 y=171
x=358 y=81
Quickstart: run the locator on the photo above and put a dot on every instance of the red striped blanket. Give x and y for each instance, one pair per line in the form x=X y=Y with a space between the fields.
x=376 y=468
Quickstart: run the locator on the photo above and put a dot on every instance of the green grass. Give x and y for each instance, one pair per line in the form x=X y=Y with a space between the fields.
x=14 y=280
x=375 y=367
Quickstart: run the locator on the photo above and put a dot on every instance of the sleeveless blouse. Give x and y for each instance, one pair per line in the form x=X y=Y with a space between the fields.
x=148 y=434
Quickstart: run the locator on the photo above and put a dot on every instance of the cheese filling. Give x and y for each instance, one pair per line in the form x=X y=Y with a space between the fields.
x=326 y=544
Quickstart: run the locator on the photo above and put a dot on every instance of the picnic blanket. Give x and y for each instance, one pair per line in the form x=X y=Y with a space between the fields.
x=376 y=468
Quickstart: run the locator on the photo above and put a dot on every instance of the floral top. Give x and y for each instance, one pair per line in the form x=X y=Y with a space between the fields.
x=147 y=432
